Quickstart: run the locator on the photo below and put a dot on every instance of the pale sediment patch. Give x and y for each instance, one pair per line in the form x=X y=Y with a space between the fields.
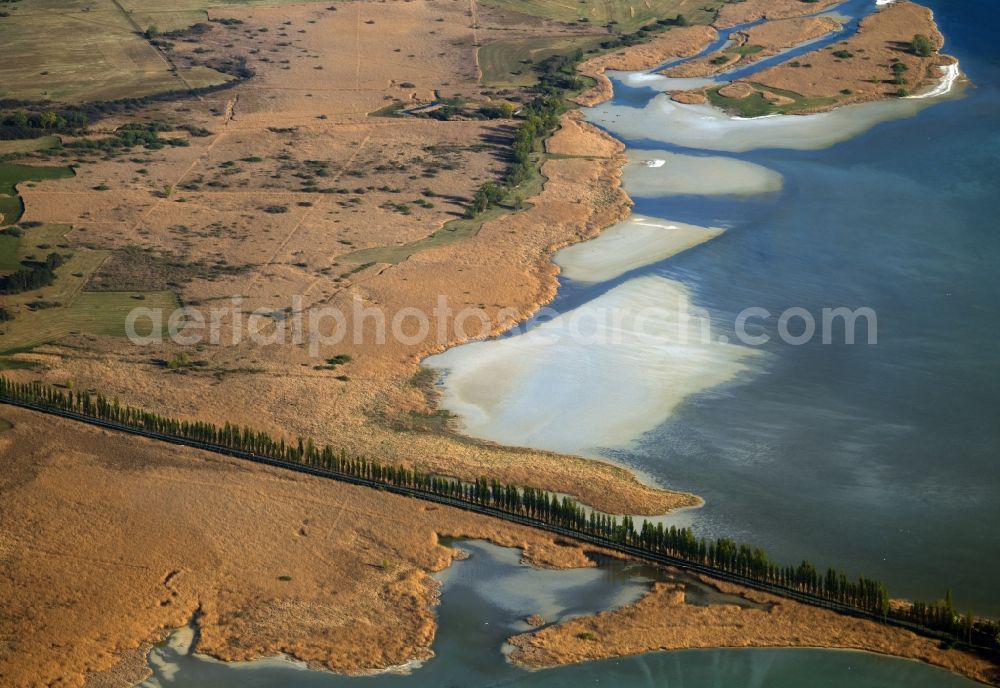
x=180 y=641
x=628 y=245
x=707 y=127
x=659 y=82
x=949 y=76
x=599 y=376
x=167 y=669
x=656 y=173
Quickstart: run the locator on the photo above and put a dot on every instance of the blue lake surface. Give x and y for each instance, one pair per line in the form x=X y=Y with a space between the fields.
x=880 y=458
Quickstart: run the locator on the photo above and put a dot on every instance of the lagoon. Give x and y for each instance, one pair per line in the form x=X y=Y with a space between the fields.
x=486 y=598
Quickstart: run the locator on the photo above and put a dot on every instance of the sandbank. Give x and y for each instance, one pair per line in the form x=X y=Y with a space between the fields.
x=628 y=245
x=657 y=173
x=596 y=377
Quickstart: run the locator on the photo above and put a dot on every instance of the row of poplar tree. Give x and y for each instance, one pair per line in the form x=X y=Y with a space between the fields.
x=721 y=554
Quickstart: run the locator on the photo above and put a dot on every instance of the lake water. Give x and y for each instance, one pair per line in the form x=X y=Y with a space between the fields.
x=881 y=459
x=485 y=600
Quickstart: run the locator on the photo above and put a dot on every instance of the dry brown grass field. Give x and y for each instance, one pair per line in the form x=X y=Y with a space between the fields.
x=863 y=63
x=295 y=177
x=288 y=191
x=663 y=621
x=109 y=543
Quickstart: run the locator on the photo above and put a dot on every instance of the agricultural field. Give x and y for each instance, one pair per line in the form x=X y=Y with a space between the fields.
x=626 y=16
x=64 y=308
x=12 y=175
x=507 y=63
x=21 y=146
x=91 y=50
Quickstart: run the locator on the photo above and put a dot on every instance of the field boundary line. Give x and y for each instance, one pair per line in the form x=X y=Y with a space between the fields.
x=258 y=273
x=142 y=33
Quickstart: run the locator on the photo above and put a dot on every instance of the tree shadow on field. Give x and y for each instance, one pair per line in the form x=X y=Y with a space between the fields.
x=499 y=138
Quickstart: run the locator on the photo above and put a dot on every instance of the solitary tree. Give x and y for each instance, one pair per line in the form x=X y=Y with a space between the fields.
x=921 y=46
x=48 y=119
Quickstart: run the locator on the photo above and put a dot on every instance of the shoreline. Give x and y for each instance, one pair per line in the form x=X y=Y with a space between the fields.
x=826 y=79
x=569 y=241
x=636 y=57
x=952 y=73
x=659 y=623
x=641 y=57
x=607 y=152
x=545 y=643
x=551 y=278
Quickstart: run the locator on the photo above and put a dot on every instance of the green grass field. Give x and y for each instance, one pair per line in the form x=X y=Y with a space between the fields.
x=65 y=307
x=744 y=50
x=28 y=145
x=505 y=63
x=8 y=253
x=756 y=105
x=628 y=15
x=93 y=313
x=11 y=175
